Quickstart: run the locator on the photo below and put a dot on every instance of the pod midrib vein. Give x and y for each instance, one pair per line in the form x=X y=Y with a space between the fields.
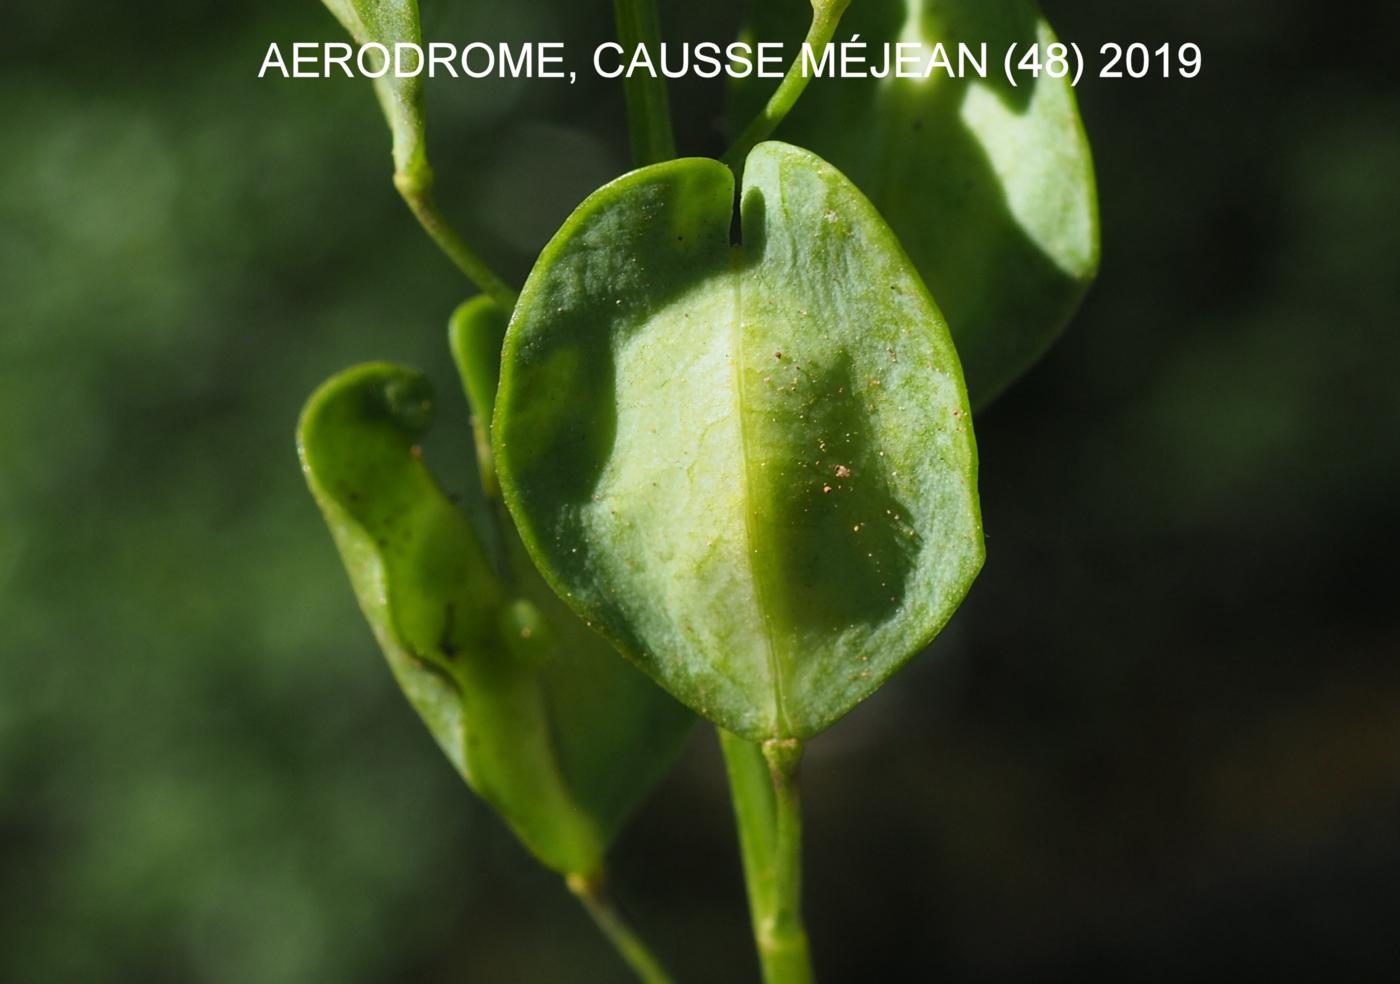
x=736 y=267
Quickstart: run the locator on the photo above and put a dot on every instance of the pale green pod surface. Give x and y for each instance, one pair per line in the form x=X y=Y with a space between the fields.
x=752 y=467
x=989 y=187
x=389 y=22
x=480 y=664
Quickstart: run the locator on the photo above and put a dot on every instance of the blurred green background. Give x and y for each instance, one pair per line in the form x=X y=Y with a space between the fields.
x=1162 y=738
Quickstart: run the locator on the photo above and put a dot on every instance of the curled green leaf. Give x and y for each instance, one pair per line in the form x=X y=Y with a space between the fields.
x=752 y=467
x=989 y=187
x=537 y=714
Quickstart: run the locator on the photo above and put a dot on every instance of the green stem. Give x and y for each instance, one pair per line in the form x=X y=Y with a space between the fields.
x=416 y=187
x=763 y=784
x=826 y=15
x=592 y=892
x=648 y=107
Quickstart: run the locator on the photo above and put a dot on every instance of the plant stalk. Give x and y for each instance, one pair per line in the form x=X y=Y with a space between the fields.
x=592 y=891
x=764 y=785
x=826 y=16
x=416 y=188
x=648 y=106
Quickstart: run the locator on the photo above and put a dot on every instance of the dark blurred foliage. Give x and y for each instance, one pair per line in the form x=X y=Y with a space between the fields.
x=1162 y=738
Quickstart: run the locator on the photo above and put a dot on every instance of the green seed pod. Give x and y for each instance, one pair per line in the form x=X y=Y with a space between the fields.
x=537 y=713
x=989 y=187
x=752 y=467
